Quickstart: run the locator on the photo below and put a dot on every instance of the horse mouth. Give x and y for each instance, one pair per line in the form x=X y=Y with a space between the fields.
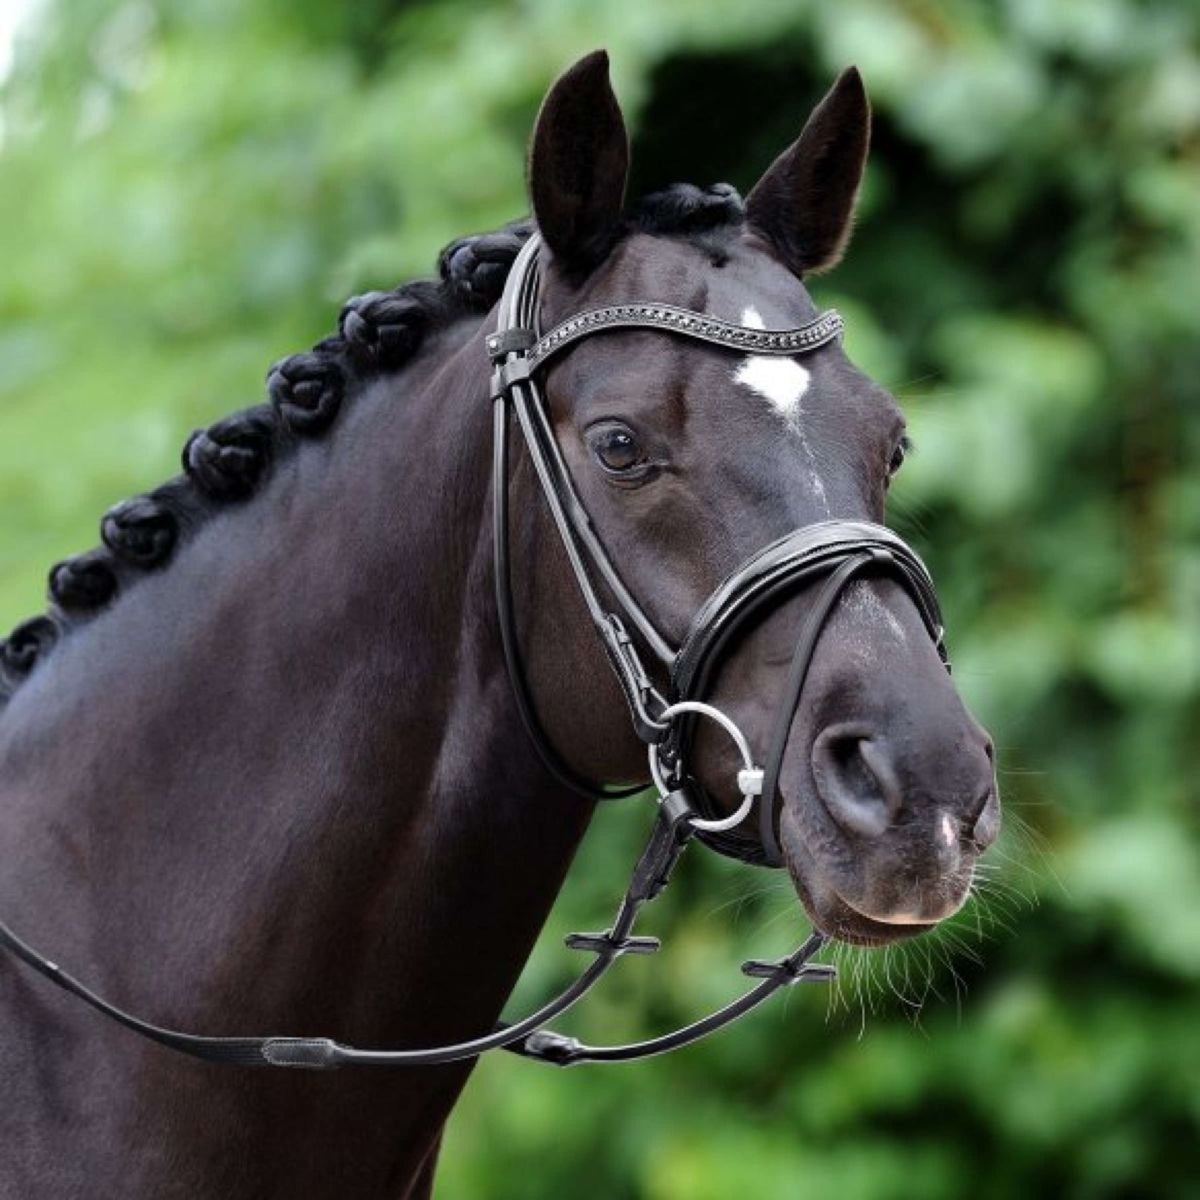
x=861 y=930
x=838 y=918
x=842 y=922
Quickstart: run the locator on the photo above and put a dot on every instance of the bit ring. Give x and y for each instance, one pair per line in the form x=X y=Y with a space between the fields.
x=749 y=778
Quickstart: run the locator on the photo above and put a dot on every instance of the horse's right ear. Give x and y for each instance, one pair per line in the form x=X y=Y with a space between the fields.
x=578 y=163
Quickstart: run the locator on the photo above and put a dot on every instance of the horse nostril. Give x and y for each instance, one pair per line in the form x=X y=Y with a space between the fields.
x=987 y=825
x=856 y=780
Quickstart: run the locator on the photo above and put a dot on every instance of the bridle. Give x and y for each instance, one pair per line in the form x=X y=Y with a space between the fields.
x=827 y=555
x=833 y=551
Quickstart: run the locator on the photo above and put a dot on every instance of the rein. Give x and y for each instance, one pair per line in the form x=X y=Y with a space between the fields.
x=831 y=553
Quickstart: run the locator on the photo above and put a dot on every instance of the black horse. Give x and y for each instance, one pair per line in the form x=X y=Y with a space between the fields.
x=261 y=762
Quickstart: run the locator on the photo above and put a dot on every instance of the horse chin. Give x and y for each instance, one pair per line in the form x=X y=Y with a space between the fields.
x=833 y=915
x=836 y=919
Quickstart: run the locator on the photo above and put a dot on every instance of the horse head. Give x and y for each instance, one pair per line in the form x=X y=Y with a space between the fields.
x=689 y=459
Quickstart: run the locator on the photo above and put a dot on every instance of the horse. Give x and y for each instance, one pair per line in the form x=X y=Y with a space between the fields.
x=263 y=763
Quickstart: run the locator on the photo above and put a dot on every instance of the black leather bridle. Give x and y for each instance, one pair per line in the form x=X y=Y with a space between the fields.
x=827 y=555
x=832 y=551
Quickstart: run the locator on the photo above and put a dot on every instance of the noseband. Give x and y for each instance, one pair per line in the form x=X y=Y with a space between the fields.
x=824 y=556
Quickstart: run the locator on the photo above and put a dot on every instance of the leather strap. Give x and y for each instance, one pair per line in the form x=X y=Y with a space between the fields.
x=670 y=835
x=793 y=558
x=771 y=801
x=664 y=318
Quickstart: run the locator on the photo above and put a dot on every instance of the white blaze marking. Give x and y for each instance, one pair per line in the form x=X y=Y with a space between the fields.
x=780 y=381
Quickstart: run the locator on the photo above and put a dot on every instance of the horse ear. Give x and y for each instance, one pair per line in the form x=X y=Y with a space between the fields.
x=804 y=203
x=578 y=163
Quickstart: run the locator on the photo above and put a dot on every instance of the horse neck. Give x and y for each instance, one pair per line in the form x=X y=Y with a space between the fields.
x=286 y=773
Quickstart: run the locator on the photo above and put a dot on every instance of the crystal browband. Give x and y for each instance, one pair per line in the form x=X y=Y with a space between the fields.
x=825 y=328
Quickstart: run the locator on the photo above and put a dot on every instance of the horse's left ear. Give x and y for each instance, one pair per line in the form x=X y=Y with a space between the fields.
x=804 y=204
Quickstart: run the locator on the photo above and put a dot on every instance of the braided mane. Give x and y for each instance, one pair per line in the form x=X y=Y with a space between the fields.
x=378 y=331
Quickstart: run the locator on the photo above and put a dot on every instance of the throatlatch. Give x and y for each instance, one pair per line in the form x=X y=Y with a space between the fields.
x=826 y=556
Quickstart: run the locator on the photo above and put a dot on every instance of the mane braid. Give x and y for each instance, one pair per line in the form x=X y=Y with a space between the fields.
x=228 y=461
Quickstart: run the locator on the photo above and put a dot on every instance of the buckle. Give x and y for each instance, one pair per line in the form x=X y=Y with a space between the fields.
x=509 y=341
x=638 y=687
x=516 y=370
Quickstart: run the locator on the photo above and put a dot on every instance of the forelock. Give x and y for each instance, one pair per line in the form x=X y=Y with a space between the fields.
x=684 y=208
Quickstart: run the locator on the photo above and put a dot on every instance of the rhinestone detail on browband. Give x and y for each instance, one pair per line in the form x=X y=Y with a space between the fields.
x=824 y=329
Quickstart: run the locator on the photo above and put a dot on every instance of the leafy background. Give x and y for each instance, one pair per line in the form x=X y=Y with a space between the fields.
x=189 y=189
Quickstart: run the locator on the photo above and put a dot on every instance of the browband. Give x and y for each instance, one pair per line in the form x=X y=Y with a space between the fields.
x=533 y=352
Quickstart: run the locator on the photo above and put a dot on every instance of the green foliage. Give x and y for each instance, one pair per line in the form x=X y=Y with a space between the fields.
x=188 y=190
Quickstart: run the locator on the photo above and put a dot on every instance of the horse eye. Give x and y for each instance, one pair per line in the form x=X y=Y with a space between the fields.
x=616 y=447
x=898 y=456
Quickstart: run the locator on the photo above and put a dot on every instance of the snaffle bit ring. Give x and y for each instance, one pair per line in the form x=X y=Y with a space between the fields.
x=749 y=778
